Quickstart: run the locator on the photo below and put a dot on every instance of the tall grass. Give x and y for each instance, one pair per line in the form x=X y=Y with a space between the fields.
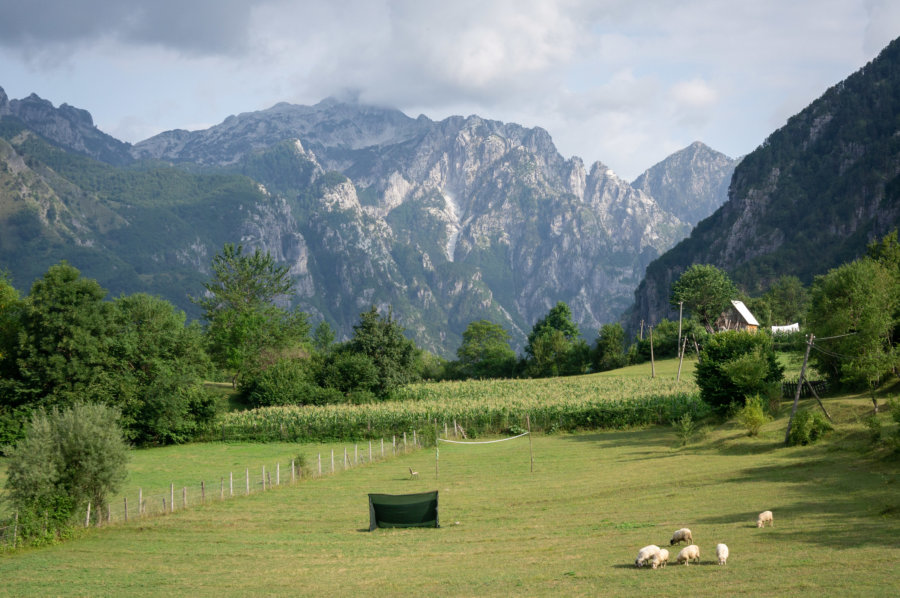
x=480 y=407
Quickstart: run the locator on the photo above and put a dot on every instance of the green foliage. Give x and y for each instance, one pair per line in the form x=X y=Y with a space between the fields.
x=323 y=337
x=742 y=355
x=807 y=427
x=286 y=382
x=753 y=415
x=381 y=339
x=485 y=351
x=244 y=324
x=705 y=291
x=349 y=372
x=685 y=428
x=609 y=352
x=787 y=300
x=554 y=347
x=68 y=458
x=855 y=302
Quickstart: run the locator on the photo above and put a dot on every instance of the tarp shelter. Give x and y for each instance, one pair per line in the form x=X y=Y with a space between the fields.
x=403 y=510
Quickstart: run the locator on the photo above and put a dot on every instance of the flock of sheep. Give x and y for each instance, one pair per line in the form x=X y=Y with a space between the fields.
x=659 y=557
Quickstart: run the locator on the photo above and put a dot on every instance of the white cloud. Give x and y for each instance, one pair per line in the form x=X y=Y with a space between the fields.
x=620 y=81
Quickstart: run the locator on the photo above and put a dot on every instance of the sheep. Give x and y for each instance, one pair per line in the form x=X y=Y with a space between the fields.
x=722 y=553
x=765 y=517
x=647 y=553
x=682 y=535
x=661 y=559
x=688 y=554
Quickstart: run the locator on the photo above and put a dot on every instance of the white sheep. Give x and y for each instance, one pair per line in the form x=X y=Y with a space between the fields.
x=661 y=559
x=765 y=517
x=689 y=553
x=647 y=553
x=722 y=553
x=682 y=535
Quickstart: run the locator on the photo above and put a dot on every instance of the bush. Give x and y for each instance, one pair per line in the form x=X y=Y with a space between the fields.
x=67 y=459
x=734 y=365
x=753 y=415
x=807 y=427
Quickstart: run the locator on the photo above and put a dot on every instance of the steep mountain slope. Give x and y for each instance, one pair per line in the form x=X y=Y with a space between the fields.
x=446 y=222
x=465 y=218
x=691 y=183
x=812 y=196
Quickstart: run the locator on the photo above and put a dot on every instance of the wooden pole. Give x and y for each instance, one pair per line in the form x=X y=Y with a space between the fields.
x=247 y=479
x=87 y=518
x=815 y=394
x=126 y=509
x=230 y=483
x=184 y=497
x=278 y=474
x=680 y=311
x=370 y=451
x=320 y=464
x=787 y=434
x=15 y=528
x=293 y=476
x=264 y=478
x=680 y=359
x=436 y=449
x=652 y=363
x=202 y=492
x=222 y=488
x=332 y=460
x=530 y=447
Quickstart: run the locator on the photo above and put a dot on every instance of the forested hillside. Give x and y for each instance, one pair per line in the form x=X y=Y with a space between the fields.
x=811 y=197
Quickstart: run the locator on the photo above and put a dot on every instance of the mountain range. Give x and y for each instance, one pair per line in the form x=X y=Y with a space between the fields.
x=445 y=222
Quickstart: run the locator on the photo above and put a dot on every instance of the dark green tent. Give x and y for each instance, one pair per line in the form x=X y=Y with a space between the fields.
x=403 y=510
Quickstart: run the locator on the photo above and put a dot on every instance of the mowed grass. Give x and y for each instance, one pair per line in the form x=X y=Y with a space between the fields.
x=571 y=528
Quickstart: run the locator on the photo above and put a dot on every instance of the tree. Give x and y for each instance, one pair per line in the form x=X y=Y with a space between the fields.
x=63 y=349
x=787 y=299
x=609 y=352
x=68 y=458
x=736 y=364
x=705 y=291
x=555 y=347
x=558 y=318
x=485 y=351
x=323 y=337
x=159 y=368
x=244 y=325
x=381 y=338
x=856 y=304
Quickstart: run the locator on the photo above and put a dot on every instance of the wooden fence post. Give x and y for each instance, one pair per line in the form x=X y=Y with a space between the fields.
x=332 y=460
x=222 y=488
x=247 y=478
x=87 y=518
x=293 y=477
x=184 y=497
x=278 y=474
x=126 y=509
x=16 y=528
x=202 y=492
x=320 y=464
x=231 y=483
x=264 y=478
x=370 y=451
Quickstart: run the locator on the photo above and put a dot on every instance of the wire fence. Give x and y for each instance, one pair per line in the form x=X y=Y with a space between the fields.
x=178 y=497
x=789 y=388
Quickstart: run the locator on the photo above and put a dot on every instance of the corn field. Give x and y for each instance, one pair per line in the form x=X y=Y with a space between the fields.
x=480 y=407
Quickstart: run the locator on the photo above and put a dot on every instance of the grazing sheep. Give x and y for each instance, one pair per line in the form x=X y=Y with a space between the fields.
x=689 y=553
x=765 y=517
x=647 y=553
x=721 y=553
x=661 y=559
x=682 y=535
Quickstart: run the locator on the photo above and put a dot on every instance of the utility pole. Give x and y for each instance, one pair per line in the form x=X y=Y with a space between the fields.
x=680 y=310
x=787 y=435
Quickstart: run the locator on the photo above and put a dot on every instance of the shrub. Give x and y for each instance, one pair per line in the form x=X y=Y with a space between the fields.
x=807 y=427
x=67 y=459
x=685 y=427
x=753 y=415
x=734 y=365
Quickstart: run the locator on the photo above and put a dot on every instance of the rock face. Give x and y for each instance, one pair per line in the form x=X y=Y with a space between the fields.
x=691 y=183
x=811 y=197
x=453 y=220
x=446 y=222
x=66 y=126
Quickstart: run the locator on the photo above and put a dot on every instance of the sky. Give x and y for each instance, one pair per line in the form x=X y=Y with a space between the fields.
x=624 y=82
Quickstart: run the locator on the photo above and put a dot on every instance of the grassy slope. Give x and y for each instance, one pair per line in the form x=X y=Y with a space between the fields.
x=571 y=528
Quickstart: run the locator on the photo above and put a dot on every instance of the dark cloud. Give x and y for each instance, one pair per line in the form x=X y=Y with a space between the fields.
x=199 y=27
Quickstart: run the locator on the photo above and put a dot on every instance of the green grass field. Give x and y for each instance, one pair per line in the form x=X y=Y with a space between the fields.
x=571 y=528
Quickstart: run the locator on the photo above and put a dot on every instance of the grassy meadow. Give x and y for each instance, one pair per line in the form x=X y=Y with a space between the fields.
x=572 y=527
